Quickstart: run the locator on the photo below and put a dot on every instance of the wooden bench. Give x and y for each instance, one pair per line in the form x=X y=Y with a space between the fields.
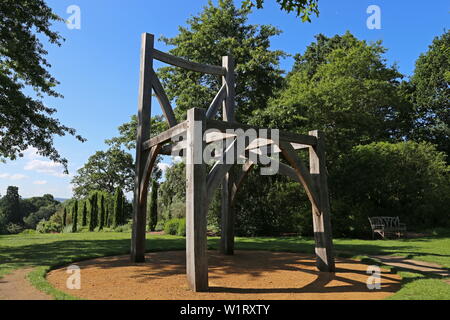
x=385 y=226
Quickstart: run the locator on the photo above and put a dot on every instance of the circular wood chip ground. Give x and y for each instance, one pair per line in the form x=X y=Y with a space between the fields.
x=248 y=275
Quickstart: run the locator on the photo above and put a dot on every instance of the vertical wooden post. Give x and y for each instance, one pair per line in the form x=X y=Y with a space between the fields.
x=196 y=203
x=321 y=220
x=227 y=212
x=143 y=133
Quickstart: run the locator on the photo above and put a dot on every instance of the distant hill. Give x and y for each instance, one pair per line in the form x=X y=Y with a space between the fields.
x=61 y=199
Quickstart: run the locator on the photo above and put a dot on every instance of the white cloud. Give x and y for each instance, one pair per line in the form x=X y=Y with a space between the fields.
x=31 y=153
x=18 y=176
x=163 y=166
x=40 y=182
x=47 y=167
x=15 y=176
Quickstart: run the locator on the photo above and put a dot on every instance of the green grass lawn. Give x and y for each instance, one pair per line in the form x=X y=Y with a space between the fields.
x=45 y=251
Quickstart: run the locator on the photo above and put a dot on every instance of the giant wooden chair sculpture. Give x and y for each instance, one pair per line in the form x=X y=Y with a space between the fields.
x=200 y=185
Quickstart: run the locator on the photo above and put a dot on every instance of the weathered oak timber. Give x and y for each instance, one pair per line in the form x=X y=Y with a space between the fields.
x=321 y=220
x=199 y=185
x=149 y=164
x=143 y=133
x=302 y=173
x=217 y=101
x=283 y=135
x=196 y=205
x=164 y=102
x=165 y=136
x=227 y=212
x=185 y=64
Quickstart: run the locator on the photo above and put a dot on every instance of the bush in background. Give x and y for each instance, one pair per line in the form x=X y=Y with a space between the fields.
x=48 y=227
x=410 y=180
x=176 y=226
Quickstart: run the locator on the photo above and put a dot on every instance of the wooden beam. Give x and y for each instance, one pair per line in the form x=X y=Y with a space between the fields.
x=164 y=102
x=143 y=133
x=227 y=212
x=301 y=171
x=246 y=168
x=283 y=169
x=196 y=208
x=283 y=135
x=229 y=81
x=190 y=65
x=321 y=216
x=166 y=135
x=219 y=170
x=148 y=169
x=214 y=106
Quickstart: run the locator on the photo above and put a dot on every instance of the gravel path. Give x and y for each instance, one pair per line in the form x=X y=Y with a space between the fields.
x=15 y=286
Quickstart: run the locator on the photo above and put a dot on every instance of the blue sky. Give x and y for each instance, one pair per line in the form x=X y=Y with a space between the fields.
x=98 y=64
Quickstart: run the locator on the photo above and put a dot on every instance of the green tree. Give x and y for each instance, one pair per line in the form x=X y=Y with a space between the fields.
x=105 y=171
x=93 y=211
x=153 y=206
x=431 y=94
x=10 y=206
x=219 y=31
x=75 y=217
x=349 y=93
x=127 y=138
x=64 y=217
x=408 y=179
x=172 y=191
x=26 y=121
x=118 y=208
x=84 y=214
x=302 y=8
x=102 y=212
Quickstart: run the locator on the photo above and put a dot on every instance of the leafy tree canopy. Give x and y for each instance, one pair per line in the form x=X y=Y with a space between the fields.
x=346 y=90
x=26 y=121
x=302 y=8
x=408 y=179
x=431 y=94
x=219 y=31
x=105 y=171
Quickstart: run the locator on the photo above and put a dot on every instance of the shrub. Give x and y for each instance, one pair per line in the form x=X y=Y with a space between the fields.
x=173 y=225
x=409 y=180
x=124 y=228
x=159 y=226
x=28 y=231
x=181 y=230
x=67 y=229
x=48 y=227
x=13 y=228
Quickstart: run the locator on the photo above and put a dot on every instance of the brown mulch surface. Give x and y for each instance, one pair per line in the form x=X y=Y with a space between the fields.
x=246 y=275
x=15 y=286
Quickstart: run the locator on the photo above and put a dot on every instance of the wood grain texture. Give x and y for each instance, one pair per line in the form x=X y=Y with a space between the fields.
x=196 y=206
x=165 y=136
x=283 y=135
x=322 y=215
x=163 y=100
x=143 y=133
x=217 y=101
x=186 y=64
